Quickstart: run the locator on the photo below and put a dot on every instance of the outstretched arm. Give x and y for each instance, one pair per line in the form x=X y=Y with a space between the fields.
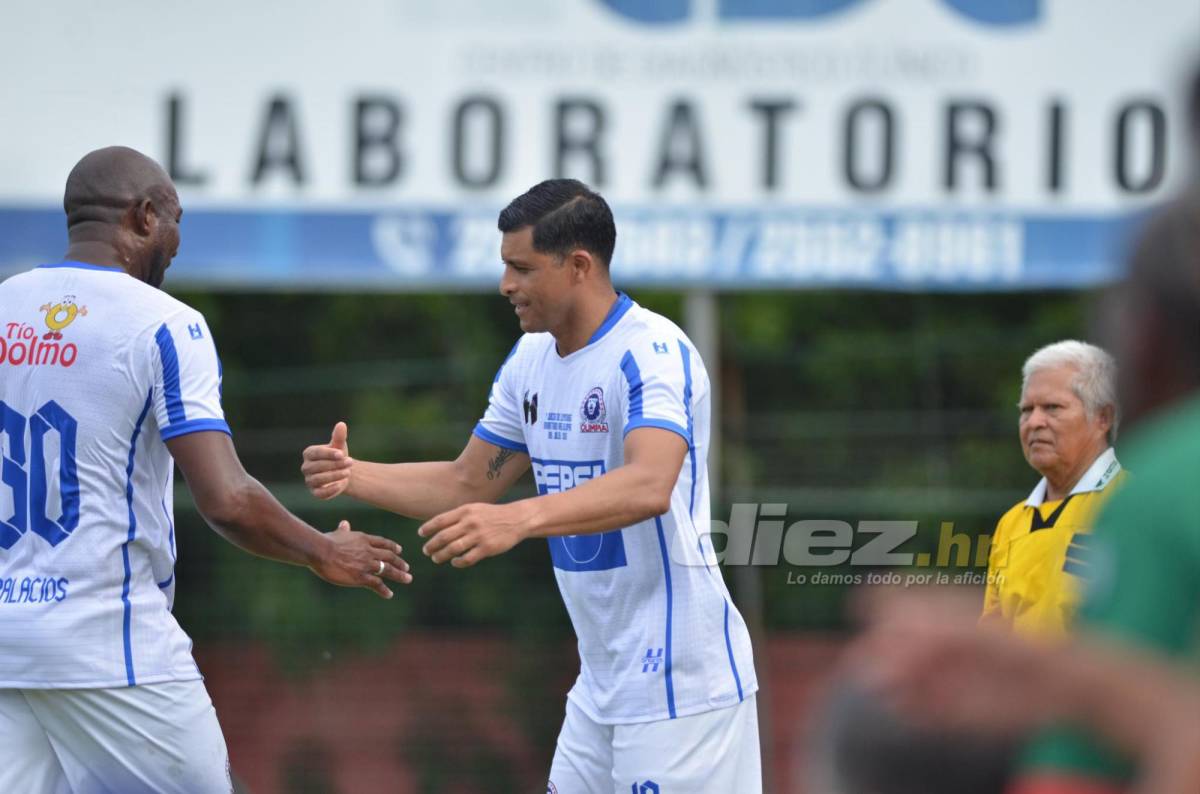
x=248 y=516
x=482 y=473
x=638 y=490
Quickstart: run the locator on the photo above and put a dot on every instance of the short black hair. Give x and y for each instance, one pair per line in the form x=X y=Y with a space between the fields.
x=565 y=214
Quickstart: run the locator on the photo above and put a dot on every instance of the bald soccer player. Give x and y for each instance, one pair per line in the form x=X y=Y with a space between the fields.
x=105 y=383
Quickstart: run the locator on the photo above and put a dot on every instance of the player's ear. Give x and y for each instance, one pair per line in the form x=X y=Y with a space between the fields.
x=143 y=217
x=582 y=264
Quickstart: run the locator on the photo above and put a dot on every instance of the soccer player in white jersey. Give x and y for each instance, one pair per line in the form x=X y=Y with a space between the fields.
x=105 y=383
x=609 y=404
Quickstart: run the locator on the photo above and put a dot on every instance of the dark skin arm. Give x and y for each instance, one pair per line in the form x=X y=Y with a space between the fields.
x=246 y=514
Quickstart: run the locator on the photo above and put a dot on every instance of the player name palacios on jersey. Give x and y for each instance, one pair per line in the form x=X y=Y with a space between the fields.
x=33 y=589
x=20 y=345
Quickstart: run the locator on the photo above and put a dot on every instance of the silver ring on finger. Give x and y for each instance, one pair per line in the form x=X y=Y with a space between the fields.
x=382 y=567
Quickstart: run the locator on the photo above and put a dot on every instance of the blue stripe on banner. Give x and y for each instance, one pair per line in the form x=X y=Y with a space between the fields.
x=137 y=429
x=634 y=376
x=195 y=426
x=662 y=545
x=170 y=372
x=500 y=441
x=737 y=679
x=339 y=250
x=687 y=410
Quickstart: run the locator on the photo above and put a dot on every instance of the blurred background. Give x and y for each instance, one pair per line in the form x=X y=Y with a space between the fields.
x=866 y=213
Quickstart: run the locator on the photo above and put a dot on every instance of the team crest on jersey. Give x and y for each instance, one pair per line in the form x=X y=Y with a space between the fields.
x=61 y=314
x=593 y=417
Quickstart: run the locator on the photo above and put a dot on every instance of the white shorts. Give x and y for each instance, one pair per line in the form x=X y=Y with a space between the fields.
x=146 y=738
x=716 y=751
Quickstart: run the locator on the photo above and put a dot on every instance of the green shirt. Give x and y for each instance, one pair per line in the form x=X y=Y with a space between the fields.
x=1142 y=570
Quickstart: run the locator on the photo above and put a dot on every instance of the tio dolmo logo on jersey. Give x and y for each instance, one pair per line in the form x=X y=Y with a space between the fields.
x=21 y=345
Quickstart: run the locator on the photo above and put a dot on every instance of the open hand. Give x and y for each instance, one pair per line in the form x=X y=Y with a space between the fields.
x=360 y=560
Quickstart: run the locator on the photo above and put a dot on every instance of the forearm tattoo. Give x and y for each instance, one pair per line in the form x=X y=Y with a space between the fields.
x=497 y=463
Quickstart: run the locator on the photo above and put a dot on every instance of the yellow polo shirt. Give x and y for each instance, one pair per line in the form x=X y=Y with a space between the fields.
x=1040 y=549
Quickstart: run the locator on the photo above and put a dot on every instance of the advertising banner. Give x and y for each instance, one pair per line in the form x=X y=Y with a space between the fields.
x=744 y=144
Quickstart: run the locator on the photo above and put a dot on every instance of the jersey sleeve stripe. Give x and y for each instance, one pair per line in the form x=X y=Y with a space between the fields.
x=128 y=608
x=170 y=372
x=634 y=376
x=500 y=441
x=662 y=424
x=195 y=426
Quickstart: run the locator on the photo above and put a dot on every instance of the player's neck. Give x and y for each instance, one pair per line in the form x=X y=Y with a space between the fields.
x=584 y=322
x=95 y=252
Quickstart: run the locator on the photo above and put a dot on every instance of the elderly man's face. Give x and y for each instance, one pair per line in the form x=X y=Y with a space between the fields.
x=1057 y=436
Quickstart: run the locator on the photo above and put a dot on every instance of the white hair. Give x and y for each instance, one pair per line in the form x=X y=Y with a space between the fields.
x=1095 y=381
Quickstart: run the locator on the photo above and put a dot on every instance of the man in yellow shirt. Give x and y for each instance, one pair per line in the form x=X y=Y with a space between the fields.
x=1068 y=422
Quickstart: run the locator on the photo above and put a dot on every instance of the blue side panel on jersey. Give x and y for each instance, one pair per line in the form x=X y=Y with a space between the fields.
x=170 y=528
x=137 y=429
x=500 y=441
x=170 y=370
x=687 y=410
x=662 y=545
x=737 y=679
x=634 y=376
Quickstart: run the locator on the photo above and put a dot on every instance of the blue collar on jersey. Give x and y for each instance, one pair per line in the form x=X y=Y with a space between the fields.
x=83 y=266
x=624 y=303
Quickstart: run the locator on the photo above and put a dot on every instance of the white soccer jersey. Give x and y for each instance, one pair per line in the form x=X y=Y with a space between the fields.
x=97 y=370
x=659 y=637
